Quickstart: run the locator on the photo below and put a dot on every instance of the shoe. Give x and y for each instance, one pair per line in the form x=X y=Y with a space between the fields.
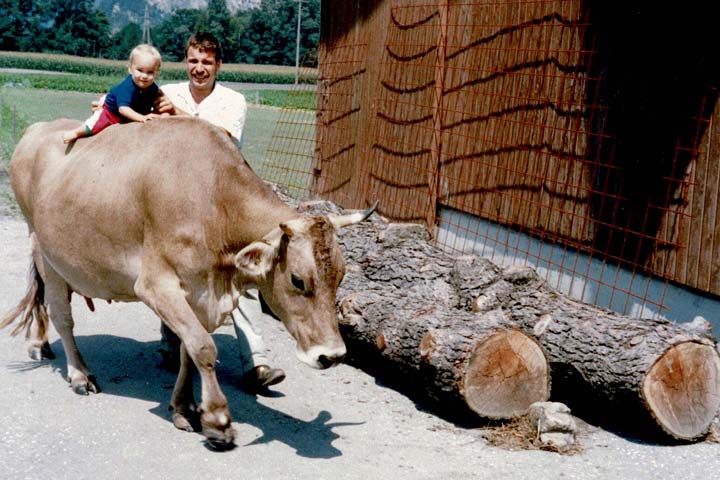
x=261 y=377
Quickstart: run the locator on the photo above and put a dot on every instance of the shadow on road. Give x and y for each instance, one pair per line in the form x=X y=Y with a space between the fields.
x=128 y=368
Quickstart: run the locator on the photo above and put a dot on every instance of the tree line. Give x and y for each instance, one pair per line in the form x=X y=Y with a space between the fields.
x=264 y=35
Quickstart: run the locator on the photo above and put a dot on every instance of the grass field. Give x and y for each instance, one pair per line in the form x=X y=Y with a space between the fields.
x=91 y=67
x=267 y=137
x=34 y=105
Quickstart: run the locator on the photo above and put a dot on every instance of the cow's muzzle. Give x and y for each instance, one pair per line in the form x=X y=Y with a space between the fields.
x=321 y=357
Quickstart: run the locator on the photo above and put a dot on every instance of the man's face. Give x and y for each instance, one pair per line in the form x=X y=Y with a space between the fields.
x=202 y=68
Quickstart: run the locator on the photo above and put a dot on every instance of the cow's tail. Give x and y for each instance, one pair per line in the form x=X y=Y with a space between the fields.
x=31 y=308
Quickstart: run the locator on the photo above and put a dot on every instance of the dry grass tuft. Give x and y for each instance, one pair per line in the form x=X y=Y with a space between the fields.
x=714 y=435
x=519 y=434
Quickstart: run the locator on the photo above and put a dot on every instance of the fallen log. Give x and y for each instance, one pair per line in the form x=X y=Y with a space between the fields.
x=643 y=370
x=461 y=360
x=401 y=315
x=416 y=307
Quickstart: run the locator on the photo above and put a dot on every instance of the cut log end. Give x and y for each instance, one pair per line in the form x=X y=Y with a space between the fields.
x=506 y=373
x=682 y=390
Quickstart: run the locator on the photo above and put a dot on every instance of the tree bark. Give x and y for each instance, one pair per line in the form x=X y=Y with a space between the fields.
x=398 y=312
x=637 y=370
x=460 y=359
x=434 y=315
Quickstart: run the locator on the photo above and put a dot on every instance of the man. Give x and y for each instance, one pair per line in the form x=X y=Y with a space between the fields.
x=203 y=97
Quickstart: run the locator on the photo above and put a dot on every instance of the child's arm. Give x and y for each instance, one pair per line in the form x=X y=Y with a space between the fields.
x=131 y=114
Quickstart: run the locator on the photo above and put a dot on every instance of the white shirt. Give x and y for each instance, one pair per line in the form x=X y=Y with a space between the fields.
x=224 y=107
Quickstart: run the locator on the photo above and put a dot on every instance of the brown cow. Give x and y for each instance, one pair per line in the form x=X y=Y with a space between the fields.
x=170 y=214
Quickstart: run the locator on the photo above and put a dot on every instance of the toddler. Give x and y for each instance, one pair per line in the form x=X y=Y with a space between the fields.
x=129 y=101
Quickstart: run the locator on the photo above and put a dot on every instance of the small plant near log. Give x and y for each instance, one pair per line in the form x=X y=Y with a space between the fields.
x=519 y=433
x=714 y=435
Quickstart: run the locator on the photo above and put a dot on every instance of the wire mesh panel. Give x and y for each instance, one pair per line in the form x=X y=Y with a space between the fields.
x=514 y=93
x=533 y=132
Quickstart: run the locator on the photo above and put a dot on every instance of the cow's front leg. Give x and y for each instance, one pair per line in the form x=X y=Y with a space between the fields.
x=163 y=294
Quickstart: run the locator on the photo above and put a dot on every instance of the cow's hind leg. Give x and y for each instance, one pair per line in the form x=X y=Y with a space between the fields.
x=38 y=345
x=59 y=311
x=185 y=412
x=32 y=316
x=163 y=294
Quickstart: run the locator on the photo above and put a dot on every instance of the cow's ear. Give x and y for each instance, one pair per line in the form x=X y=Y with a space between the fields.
x=256 y=260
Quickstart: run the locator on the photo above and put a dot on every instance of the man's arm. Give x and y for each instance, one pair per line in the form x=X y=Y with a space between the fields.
x=230 y=113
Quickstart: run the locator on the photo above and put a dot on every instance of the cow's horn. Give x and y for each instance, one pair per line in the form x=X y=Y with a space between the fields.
x=340 y=221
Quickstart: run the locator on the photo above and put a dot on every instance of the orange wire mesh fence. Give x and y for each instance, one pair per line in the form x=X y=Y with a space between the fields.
x=571 y=135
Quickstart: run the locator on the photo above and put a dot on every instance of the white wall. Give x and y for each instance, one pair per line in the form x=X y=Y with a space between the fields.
x=634 y=295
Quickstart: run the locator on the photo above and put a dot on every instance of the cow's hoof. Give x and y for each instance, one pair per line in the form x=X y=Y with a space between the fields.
x=218 y=430
x=186 y=422
x=220 y=439
x=39 y=352
x=84 y=386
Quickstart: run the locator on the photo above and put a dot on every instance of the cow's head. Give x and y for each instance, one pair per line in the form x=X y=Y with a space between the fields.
x=297 y=269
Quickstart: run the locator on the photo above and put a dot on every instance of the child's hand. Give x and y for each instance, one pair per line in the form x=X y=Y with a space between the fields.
x=150 y=116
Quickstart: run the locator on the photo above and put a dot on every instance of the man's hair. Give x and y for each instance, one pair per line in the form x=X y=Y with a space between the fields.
x=145 y=49
x=205 y=41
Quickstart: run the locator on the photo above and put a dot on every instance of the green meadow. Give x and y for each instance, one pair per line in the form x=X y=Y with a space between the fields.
x=263 y=136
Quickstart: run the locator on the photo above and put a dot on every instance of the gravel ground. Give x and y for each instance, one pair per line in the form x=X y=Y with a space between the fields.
x=334 y=424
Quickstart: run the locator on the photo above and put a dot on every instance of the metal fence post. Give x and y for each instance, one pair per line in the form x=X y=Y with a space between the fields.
x=14 y=124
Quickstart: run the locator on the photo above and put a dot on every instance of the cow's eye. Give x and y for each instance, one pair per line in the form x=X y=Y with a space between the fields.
x=297 y=282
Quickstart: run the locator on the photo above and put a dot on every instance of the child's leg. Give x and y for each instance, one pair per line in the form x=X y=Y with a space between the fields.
x=92 y=120
x=70 y=135
x=86 y=129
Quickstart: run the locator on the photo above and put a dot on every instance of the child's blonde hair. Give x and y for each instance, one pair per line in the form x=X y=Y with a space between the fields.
x=145 y=49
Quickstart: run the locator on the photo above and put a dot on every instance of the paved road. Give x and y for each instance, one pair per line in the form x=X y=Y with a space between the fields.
x=336 y=424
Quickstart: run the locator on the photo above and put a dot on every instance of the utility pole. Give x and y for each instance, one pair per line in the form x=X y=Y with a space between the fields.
x=297 y=44
x=146 y=26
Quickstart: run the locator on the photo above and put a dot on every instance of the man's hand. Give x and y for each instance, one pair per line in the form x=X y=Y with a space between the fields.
x=164 y=106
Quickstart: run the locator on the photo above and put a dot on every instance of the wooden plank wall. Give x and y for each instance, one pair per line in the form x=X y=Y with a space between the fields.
x=466 y=105
x=688 y=242
x=493 y=108
x=514 y=117
x=348 y=72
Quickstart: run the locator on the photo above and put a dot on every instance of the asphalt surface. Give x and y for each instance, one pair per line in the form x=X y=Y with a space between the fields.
x=334 y=424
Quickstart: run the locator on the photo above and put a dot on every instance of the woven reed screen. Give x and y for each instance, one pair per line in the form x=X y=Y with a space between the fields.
x=588 y=126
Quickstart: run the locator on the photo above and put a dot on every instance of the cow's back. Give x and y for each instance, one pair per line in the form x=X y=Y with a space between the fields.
x=39 y=153
x=97 y=205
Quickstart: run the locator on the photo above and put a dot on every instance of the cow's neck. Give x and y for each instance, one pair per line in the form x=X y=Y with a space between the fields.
x=249 y=209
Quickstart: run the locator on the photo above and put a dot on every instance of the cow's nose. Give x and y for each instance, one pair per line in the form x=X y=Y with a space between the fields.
x=327 y=361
